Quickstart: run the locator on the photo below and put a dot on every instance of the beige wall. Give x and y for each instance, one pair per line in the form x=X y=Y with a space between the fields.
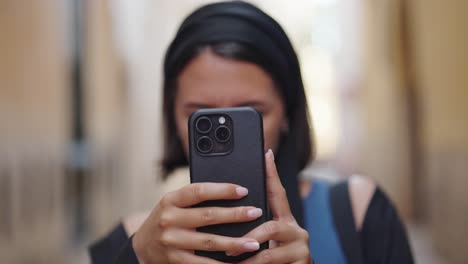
x=427 y=52
x=33 y=131
x=106 y=119
x=440 y=48
x=385 y=139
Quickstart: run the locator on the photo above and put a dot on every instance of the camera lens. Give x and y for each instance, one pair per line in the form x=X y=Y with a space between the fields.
x=204 y=144
x=222 y=134
x=203 y=125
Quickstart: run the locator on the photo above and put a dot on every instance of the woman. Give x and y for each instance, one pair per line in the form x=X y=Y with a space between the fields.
x=232 y=54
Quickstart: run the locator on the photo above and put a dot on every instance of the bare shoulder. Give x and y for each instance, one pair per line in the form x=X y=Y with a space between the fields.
x=361 y=190
x=132 y=223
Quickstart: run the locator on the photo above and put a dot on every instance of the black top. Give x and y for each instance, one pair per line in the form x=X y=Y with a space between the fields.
x=382 y=238
x=115 y=246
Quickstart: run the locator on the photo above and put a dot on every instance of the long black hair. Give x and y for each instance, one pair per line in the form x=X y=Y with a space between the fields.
x=240 y=31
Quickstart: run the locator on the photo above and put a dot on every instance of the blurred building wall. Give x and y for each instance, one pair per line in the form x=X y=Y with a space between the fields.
x=106 y=116
x=385 y=140
x=440 y=53
x=33 y=131
x=415 y=111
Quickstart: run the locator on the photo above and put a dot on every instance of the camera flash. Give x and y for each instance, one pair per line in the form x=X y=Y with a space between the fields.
x=222 y=120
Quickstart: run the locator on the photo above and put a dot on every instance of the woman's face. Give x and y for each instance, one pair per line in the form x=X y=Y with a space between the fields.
x=210 y=81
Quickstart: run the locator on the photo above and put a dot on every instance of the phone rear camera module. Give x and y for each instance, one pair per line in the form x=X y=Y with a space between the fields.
x=204 y=144
x=203 y=125
x=222 y=134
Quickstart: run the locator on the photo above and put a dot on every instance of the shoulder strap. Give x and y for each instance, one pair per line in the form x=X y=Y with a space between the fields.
x=344 y=223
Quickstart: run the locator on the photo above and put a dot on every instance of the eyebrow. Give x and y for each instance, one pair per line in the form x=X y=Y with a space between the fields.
x=252 y=104
x=196 y=105
x=193 y=105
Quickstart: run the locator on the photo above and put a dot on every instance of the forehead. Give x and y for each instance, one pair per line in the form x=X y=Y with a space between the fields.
x=220 y=82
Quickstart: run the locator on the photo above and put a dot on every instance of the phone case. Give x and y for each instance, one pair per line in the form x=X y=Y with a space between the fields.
x=242 y=164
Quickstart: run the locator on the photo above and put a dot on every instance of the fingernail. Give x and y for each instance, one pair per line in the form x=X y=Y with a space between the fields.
x=270 y=153
x=241 y=191
x=251 y=245
x=254 y=213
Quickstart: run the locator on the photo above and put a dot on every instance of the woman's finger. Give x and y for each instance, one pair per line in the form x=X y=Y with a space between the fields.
x=276 y=193
x=280 y=232
x=193 y=240
x=196 y=193
x=290 y=253
x=274 y=230
x=185 y=256
x=205 y=216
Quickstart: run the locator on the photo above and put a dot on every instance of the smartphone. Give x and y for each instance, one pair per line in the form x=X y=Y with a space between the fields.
x=226 y=146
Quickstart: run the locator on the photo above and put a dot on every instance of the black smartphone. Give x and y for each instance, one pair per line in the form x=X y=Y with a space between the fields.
x=226 y=146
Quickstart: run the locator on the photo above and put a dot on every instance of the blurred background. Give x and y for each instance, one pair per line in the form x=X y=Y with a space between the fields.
x=80 y=113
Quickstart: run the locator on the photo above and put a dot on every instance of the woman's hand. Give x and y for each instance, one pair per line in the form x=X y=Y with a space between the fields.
x=168 y=235
x=290 y=243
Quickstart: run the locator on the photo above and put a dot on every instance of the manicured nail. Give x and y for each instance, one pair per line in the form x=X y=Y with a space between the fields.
x=251 y=245
x=270 y=154
x=254 y=213
x=241 y=191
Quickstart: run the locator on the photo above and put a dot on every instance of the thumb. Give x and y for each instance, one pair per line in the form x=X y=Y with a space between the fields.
x=276 y=193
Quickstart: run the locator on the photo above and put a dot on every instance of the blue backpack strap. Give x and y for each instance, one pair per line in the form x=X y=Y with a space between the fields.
x=344 y=223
